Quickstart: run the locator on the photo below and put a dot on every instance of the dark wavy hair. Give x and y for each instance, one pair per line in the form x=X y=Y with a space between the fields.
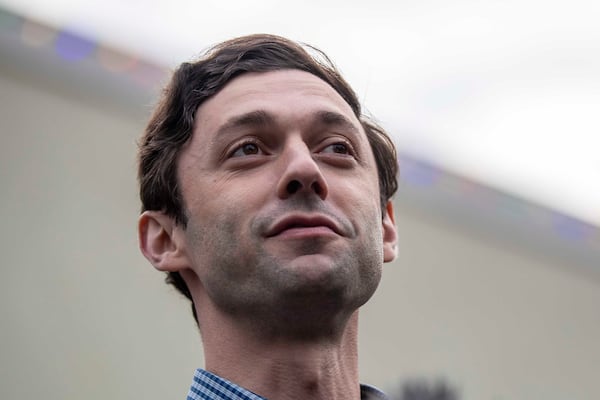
x=171 y=124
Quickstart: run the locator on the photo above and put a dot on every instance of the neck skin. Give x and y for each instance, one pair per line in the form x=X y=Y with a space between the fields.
x=278 y=368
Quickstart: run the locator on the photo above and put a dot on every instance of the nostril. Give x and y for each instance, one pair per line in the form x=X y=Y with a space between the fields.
x=317 y=188
x=293 y=186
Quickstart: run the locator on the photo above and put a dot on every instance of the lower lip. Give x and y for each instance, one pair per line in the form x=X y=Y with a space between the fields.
x=306 y=232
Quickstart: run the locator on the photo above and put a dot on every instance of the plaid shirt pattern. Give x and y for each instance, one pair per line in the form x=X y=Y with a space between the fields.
x=207 y=386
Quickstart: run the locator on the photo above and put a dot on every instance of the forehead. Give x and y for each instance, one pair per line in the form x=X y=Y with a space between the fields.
x=292 y=94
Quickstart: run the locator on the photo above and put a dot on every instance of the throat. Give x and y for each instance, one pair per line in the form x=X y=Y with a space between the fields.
x=280 y=368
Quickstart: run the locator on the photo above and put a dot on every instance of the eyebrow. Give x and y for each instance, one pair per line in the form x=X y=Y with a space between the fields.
x=335 y=119
x=252 y=119
x=262 y=118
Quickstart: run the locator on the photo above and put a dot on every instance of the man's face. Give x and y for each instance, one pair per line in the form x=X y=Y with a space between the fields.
x=281 y=193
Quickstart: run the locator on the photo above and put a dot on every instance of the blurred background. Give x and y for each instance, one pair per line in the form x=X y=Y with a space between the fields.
x=494 y=107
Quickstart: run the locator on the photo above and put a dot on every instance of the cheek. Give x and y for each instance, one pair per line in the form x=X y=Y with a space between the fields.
x=360 y=195
x=219 y=216
x=220 y=211
x=218 y=199
x=215 y=240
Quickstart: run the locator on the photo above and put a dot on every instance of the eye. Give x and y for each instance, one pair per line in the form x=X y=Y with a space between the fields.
x=246 y=149
x=338 y=148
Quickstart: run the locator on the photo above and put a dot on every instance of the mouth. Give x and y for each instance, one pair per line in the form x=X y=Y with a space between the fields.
x=304 y=225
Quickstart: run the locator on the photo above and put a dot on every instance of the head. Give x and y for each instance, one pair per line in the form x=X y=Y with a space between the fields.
x=171 y=127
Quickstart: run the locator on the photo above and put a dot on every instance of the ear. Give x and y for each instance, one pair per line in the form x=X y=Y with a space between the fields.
x=161 y=241
x=390 y=236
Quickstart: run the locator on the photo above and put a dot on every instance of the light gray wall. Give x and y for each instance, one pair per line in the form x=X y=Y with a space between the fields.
x=84 y=316
x=496 y=320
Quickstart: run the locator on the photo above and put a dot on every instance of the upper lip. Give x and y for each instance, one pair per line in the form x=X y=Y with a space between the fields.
x=302 y=221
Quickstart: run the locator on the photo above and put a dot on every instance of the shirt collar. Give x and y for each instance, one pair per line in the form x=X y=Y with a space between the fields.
x=207 y=385
x=210 y=386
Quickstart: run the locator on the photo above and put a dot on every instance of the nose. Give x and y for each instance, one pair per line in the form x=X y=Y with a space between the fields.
x=301 y=173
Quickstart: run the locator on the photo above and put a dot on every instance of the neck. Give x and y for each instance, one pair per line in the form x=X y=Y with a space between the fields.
x=279 y=368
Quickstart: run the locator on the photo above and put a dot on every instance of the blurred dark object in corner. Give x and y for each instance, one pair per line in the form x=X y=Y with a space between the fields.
x=423 y=390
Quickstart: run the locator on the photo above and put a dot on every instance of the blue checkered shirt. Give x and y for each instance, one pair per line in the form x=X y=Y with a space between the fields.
x=208 y=386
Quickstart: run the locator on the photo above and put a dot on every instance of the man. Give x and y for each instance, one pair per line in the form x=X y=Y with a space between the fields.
x=266 y=198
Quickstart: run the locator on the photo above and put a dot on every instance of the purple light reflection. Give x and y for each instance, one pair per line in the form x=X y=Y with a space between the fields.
x=71 y=47
x=418 y=173
x=571 y=228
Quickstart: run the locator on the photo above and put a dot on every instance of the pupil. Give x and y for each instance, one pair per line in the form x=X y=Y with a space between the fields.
x=250 y=148
x=339 y=148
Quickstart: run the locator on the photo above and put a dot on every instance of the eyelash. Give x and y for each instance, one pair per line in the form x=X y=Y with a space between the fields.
x=240 y=146
x=349 y=150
